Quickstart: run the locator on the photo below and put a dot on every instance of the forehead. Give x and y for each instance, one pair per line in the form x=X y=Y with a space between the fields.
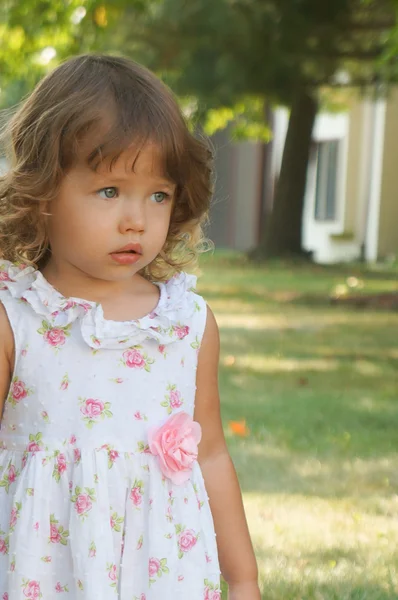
x=147 y=160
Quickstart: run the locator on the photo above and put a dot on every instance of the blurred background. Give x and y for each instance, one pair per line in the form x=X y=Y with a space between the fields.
x=300 y=101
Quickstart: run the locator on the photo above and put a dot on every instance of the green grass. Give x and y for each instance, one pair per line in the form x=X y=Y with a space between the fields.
x=318 y=386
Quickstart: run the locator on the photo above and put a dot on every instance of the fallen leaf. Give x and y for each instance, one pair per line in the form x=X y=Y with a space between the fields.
x=239 y=428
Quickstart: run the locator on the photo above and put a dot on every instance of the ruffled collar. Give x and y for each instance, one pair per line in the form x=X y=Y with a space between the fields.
x=165 y=324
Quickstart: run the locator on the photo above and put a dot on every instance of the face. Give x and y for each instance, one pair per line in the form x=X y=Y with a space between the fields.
x=110 y=224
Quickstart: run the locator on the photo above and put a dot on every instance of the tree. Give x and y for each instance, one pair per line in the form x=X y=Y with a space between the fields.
x=227 y=58
x=231 y=53
x=35 y=35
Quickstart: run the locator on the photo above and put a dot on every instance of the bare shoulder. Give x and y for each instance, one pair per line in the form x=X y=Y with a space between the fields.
x=6 y=355
x=207 y=400
x=211 y=337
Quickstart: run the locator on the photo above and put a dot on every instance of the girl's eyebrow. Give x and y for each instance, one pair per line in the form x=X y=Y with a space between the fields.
x=122 y=179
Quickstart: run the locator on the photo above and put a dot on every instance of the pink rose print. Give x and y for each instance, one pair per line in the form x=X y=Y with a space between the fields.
x=176 y=445
x=181 y=331
x=186 y=540
x=55 y=536
x=92 y=408
x=31 y=589
x=5 y=596
x=116 y=522
x=94 y=411
x=3 y=546
x=137 y=492
x=92 y=552
x=162 y=350
x=33 y=447
x=18 y=391
x=59 y=465
x=55 y=337
x=134 y=359
x=113 y=455
x=83 y=504
x=61 y=588
x=44 y=416
x=95 y=341
x=212 y=592
x=58 y=534
x=35 y=444
x=112 y=573
x=77 y=455
x=4 y=276
x=9 y=477
x=14 y=516
x=83 y=501
x=12 y=474
x=64 y=382
x=156 y=567
x=173 y=399
x=36 y=526
x=136 y=496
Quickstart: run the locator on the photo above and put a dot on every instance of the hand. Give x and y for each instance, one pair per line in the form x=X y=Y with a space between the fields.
x=245 y=590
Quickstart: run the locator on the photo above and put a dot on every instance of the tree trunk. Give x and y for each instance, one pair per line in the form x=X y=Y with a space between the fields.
x=283 y=229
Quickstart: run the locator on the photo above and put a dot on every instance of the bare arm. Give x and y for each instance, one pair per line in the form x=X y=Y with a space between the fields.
x=237 y=560
x=6 y=356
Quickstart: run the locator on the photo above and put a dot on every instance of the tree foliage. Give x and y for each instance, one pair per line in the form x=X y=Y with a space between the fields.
x=225 y=60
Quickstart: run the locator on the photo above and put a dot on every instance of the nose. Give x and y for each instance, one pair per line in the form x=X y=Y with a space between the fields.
x=133 y=216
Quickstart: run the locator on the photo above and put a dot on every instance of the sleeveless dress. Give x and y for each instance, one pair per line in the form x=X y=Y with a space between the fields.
x=87 y=508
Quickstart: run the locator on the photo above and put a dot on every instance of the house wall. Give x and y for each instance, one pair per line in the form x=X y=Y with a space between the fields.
x=388 y=218
x=317 y=235
x=355 y=184
x=234 y=215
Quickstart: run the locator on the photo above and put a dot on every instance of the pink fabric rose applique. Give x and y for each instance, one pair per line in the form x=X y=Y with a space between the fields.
x=175 y=444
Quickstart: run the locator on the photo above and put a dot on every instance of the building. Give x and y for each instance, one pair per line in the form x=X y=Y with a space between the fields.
x=351 y=203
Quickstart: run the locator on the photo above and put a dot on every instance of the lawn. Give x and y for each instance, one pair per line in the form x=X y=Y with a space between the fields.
x=318 y=386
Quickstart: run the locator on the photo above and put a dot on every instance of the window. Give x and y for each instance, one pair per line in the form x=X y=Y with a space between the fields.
x=326 y=181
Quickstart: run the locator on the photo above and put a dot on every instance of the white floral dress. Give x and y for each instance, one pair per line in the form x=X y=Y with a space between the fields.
x=86 y=510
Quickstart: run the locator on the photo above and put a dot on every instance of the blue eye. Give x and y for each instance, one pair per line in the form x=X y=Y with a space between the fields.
x=160 y=197
x=108 y=193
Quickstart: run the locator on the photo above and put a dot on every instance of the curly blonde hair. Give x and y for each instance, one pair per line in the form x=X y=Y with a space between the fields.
x=100 y=104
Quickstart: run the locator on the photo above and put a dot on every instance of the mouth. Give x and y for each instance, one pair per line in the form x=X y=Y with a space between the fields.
x=127 y=255
x=129 y=249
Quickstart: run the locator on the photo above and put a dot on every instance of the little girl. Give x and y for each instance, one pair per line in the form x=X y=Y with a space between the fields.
x=114 y=472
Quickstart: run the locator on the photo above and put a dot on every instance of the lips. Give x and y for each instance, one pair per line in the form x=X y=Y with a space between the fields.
x=129 y=249
x=128 y=255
